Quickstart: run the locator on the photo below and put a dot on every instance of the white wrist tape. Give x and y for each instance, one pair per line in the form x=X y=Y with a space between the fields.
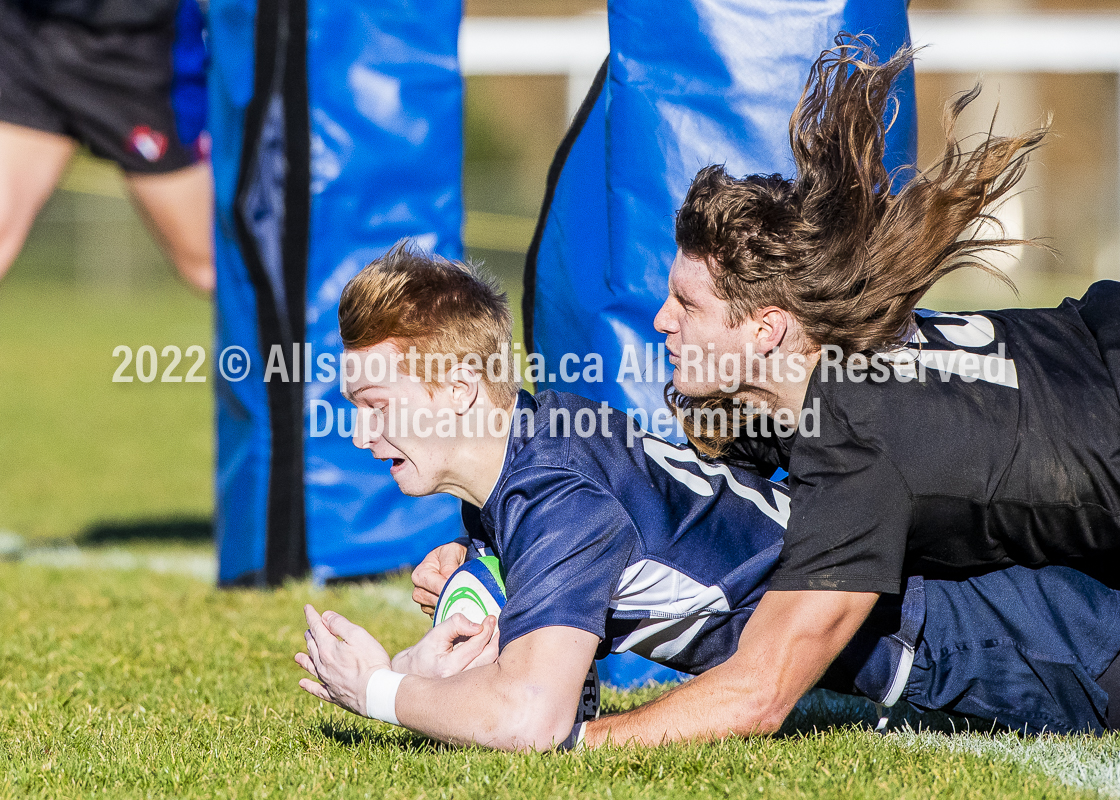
x=381 y=695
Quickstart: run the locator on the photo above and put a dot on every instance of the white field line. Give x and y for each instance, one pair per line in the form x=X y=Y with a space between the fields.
x=201 y=566
x=1082 y=762
x=197 y=565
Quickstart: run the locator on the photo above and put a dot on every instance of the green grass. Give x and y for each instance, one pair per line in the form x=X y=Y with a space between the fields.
x=78 y=449
x=119 y=677
x=130 y=684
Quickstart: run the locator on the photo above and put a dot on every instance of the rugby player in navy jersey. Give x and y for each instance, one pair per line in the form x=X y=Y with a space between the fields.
x=916 y=443
x=612 y=540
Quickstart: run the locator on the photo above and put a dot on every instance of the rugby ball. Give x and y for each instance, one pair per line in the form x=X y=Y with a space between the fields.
x=475 y=590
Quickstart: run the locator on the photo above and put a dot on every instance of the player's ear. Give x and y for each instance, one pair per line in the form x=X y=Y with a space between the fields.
x=768 y=328
x=462 y=384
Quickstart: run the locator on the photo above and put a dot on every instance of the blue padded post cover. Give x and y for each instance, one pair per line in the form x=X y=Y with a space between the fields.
x=387 y=159
x=243 y=436
x=337 y=129
x=188 y=81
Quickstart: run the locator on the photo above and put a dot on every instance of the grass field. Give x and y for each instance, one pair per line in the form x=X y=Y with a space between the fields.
x=79 y=450
x=131 y=684
x=124 y=673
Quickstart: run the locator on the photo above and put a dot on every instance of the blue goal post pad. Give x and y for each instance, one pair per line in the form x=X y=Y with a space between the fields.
x=188 y=79
x=337 y=128
x=686 y=85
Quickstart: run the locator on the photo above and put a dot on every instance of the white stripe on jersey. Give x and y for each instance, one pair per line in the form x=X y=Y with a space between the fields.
x=661 y=451
x=973 y=331
x=970 y=366
x=677 y=607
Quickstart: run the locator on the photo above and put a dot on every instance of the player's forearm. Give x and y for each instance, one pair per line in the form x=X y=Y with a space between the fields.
x=482 y=707
x=784 y=649
x=721 y=702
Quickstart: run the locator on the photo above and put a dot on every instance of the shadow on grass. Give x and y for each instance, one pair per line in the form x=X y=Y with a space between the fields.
x=398 y=738
x=186 y=529
x=818 y=712
x=392 y=576
x=822 y=710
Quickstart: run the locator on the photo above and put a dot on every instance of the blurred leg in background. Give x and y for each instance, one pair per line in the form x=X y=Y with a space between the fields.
x=31 y=162
x=178 y=207
x=128 y=82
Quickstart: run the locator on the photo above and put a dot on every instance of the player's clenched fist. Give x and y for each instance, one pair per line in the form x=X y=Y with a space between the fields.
x=432 y=573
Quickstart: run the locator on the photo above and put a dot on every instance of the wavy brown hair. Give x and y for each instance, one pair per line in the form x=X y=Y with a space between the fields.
x=833 y=246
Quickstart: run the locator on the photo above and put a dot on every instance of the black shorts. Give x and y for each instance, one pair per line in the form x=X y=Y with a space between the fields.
x=109 y=90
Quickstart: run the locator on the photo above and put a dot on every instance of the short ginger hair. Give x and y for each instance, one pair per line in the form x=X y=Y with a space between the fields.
x=447 y=310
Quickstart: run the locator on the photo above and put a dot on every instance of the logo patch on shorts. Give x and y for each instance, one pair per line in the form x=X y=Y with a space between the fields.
x=202 y=147
x=148 y=143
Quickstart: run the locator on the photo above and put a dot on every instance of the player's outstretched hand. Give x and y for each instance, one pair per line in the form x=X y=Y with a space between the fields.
x=340 y=657
x=455 y=645
x=433 y=572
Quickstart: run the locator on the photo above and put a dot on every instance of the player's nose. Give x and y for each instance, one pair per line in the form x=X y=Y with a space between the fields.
x=665 y=320
x=367 y=429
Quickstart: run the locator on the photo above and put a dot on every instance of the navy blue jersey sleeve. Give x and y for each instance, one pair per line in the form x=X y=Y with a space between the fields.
x=565 y=543
x=850 y=515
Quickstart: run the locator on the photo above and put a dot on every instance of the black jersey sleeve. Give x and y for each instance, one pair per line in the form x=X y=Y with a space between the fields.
x=849 y=518
x=566 y=544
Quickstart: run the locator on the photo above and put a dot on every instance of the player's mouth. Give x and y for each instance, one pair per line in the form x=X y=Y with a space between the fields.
x=396 y=463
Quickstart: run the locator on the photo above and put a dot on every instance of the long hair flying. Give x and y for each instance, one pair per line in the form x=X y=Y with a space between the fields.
x=833 y=246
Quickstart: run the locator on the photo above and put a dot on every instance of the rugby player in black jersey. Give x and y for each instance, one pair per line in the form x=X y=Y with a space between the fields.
x=939 y=445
